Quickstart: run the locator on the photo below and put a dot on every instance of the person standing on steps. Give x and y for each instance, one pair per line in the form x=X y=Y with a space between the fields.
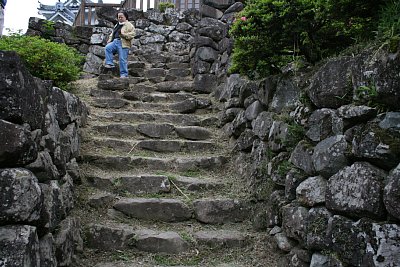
x=2 y=6
x=120 y=41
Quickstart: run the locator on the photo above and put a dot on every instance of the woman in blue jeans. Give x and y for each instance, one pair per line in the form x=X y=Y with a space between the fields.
x=120 y=41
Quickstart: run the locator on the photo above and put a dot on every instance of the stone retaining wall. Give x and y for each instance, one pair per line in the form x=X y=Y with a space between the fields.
x=39 y=145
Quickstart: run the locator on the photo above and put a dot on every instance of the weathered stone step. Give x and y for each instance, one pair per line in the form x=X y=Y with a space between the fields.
x=138 y=184
x=179 y=119
x=165 y=146
x=166 y=210
x=221 y=239
x=187 y=106
x=217 y=211
x=119 y=237
x=196 y=184
x=152 y=163
x=153 y=130
x=142 y=93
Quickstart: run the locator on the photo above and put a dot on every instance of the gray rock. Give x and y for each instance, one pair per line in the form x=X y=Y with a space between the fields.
x=47 y=251
x=292 y=180
x=245 y=141
x=232 y=87
x=208 y=11
x=391 y=196
x=391 y=121
x=229 y=115
x=286 y=97
x=68 y=241
x=377 y=145
x=100 y=200
x=356 y=114
x=283 y=242
x=324 y=123
x=217 y=211
x=301 y=157
x=239 y=124
x=382 y=248
x=205 y=83
x=262 y=125
x=193 y=133
x=207 y=54
x=185 y=107
x=236 y=7
x=109 y=238
x=278 y=135
x=357 y=191
x=318 y=228
x=144 y=184
x=19 y=246
x=97 y=50
x=93 y=64
x=294 y=220
x=330 y=87
x=221 y=239
x=21 y=196
x=253 y=110
x=20 y=149
x=160 y=242
x=311 y=191
x=155 y=130
x=111 y=103
x=276 y=201
x=113 y=84
x=319 y=260
x=195 y=184
x=168 y=210
x=175 y=86
x=213 y=28
x=330 y=155
x=220 y=4
x=22 y=98
x=52 y=210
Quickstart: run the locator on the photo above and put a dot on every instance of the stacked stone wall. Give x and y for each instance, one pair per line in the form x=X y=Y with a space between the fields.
x=40 y=142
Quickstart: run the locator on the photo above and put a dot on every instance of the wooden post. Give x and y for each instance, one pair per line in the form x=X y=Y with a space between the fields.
x=148 y=4
x=82 y=22
x=89 y=16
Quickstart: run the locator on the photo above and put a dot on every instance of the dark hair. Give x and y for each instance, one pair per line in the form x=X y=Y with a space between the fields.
x=123 y=12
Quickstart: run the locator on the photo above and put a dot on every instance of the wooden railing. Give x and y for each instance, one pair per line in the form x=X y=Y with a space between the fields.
x=87 y=15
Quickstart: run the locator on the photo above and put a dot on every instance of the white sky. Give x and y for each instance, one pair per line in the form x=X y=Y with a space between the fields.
x=18 y=12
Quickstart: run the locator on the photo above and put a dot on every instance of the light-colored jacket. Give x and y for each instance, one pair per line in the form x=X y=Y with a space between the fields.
x=127 y=34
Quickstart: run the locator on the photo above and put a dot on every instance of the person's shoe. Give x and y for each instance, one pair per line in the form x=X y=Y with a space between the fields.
x=108 y=66
x=124 y=77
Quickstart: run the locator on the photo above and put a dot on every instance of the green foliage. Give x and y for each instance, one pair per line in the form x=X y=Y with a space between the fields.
x=45 y=59
x=164 y=5
x=270 y=33
x=389 y=20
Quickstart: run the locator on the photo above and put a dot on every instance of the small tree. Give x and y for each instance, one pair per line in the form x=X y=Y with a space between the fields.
x=269 y=33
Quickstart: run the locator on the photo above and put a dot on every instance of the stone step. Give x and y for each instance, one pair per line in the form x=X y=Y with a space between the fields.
x=221 y=239
x=178 y=119
x=196 y=184
x=147 y=95
x=155 y=163
x=123 y=237
x=154 y=209
x=152 y=130
x=164 y=146
x=218 y=211
x=139 y=184
x=188 y=106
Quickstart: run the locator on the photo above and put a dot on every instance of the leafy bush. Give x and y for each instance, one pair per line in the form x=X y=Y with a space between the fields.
x=270 y=33
x=45 y=59
x=389 y=20
x=164 y=5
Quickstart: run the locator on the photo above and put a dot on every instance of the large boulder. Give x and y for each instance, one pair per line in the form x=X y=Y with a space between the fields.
x=357 y=191
x=20 y=195
x=331 y=85
x=23 y=98
x=392 y=193
x=19 y=246
x=19 y=147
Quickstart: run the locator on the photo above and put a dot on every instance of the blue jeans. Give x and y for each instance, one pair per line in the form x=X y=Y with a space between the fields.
x=116 y=47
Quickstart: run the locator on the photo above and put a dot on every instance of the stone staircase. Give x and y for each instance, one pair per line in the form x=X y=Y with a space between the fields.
x=158 y=187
